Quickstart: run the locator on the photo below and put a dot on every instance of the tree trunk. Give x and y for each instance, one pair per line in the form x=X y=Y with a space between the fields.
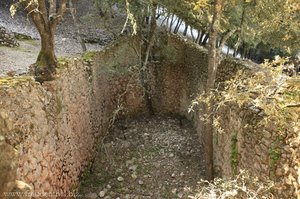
x=201 y=37
x=144 y=70
x=234 y=52
x=165 y=19
x=185 y=29
x=147 y=18
x=213 y=61
x=227 y=51
x=158 y=13
x=249 y=53
x=168 y=20
x=198 y=37
x=239 y=35
x=171 y=24
x=193 y=37
x=243 y=49
x=46 y=61
x=205 y=39
x=179 y=21
x=45 y=20
x=220 y=41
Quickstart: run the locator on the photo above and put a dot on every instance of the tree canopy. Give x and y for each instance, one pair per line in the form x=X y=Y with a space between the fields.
x=259 y=27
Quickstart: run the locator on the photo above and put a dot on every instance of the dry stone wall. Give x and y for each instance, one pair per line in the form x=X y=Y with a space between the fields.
x=25 y=126
x=180 y=76
x=267 y=151
x=7 y=38
x=48 y=133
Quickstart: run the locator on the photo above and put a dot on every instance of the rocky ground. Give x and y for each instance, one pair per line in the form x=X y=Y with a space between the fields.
x=156 y=157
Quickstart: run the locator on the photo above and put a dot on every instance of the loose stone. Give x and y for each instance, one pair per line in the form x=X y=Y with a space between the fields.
x=102 y=193
x=141 y=182
x=120 y=179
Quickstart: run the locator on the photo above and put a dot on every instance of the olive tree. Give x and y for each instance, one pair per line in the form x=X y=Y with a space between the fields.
x=46 y=15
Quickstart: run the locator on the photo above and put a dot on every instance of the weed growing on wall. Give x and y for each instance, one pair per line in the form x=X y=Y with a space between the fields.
x=274 y=100
x=88 y=56
x=234 y=153
x=274 y=154
x=273 y=96
x=242 y=186
x=265 y=88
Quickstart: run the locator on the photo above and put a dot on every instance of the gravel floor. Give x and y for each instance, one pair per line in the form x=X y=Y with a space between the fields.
x=151 y=157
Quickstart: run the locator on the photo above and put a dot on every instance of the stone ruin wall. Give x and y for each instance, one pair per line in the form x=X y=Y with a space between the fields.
x=49 y=133
x=55 y=126
x=180 y=80
x=7 y=38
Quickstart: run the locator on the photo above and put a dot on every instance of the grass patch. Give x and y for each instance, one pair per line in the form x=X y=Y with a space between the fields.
x=88 y=56
x=15 y=81
x=274 y=153
x=234 y=153
x=32 y=42
x=62 y=62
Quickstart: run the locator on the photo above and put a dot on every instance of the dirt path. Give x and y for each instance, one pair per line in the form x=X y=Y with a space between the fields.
x=18 y=58
x=146 y=158
x=21 y=57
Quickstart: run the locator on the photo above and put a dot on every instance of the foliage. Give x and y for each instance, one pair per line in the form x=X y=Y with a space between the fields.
x=15 y=81
x=273 y=96
x=274 y=153
x=88 y=56
x=241 y=186
x=272 y=25
x=130 y=17
x=234 y=153
x=278 y=22
x=265 y=89
x=62 y=62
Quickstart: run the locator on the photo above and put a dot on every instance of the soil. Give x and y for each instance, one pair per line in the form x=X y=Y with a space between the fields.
x=149 y=157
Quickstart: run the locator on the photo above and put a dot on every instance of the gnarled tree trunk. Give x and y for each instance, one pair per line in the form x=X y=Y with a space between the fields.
x=46 y=61
x=45 y=18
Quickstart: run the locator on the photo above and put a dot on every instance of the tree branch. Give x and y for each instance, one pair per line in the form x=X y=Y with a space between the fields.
x=36 y=15
x=60 y=12
x=52 y=8
x=292 y=105
x=43 y=10
x=226 y=37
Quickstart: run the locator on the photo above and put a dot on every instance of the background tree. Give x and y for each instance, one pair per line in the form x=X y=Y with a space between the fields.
x=76 y=24
x=221 y=12
x=45 y=16
x=279 y=23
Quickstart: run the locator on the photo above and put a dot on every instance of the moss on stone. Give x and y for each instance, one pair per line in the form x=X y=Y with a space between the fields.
x=14 y=81
x=62 y=62
x=88 y=56
x=234 y=153
x=23 y=37
x=274 y=153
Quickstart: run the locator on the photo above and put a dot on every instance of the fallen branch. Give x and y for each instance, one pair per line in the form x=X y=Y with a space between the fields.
x=292 y=105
